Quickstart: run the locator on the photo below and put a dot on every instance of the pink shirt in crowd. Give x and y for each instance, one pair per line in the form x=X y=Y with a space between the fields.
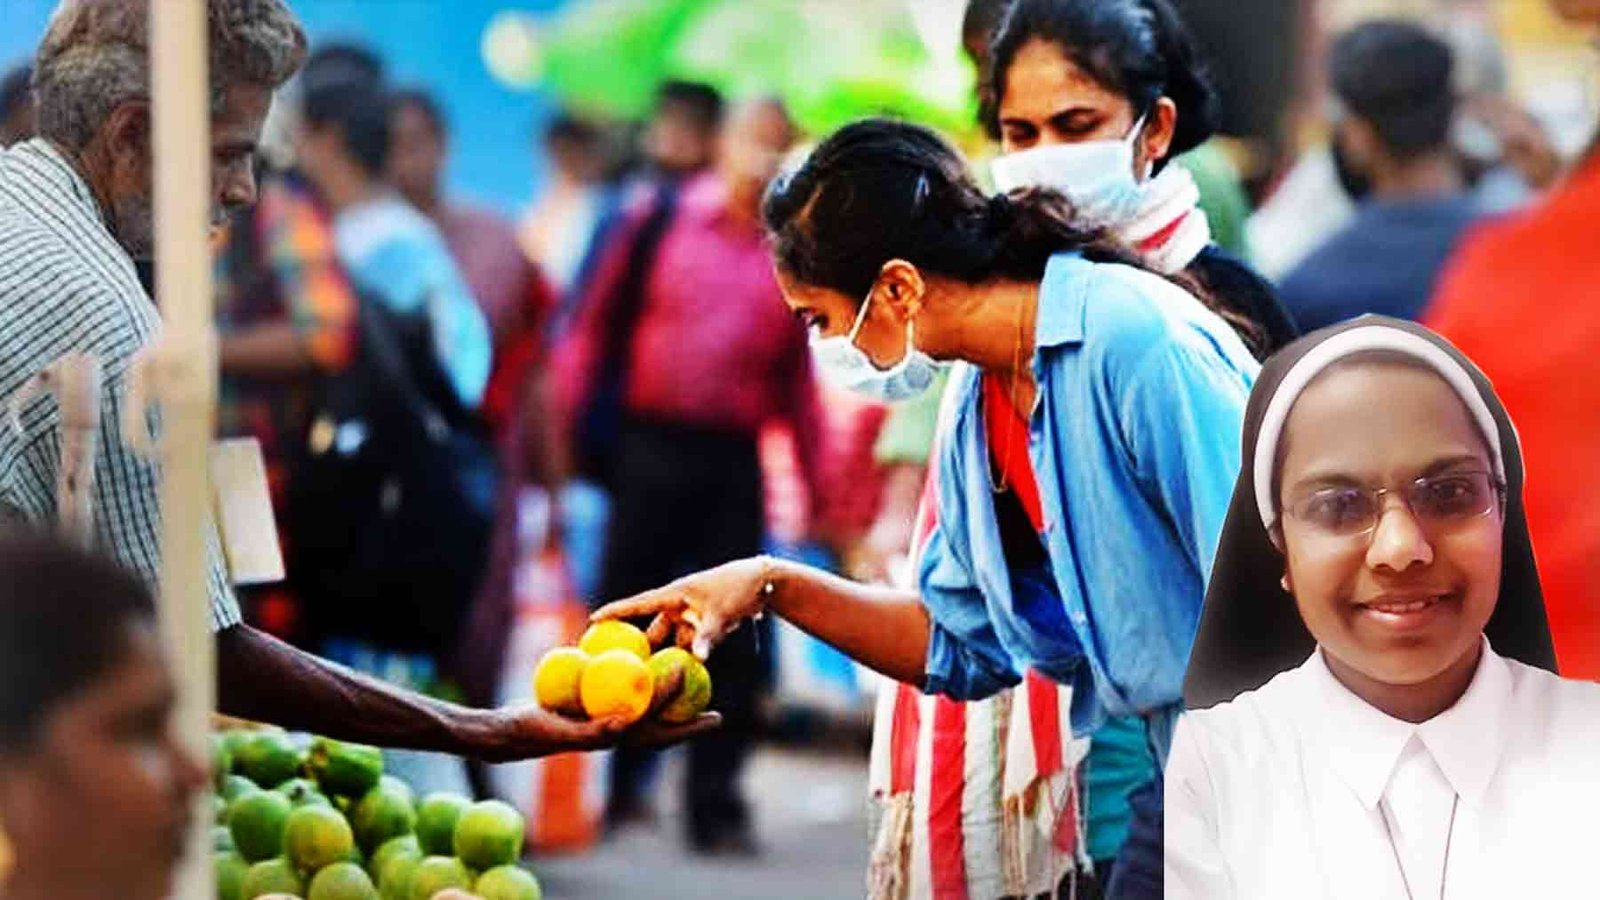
x=715 y=346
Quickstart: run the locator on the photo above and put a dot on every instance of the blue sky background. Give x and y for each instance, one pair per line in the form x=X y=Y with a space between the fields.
x=428 y=43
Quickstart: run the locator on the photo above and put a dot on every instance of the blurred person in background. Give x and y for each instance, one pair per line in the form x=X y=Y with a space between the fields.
x=677 y=142
x=1393 y=84
x=1095 y=99
x=562 y=223
x=516 y=301
x=75 y=204
x=709 y=359
x=504 y=281
x=509 y=288
x=681 y=139
x=342 y=145
x=1508 y=156
x=286 y=318
x=16 y=106
x=1519 y=298
x=95 y=789
x=399 y=258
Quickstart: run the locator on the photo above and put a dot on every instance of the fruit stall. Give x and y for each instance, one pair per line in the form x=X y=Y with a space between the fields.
x=319 y=819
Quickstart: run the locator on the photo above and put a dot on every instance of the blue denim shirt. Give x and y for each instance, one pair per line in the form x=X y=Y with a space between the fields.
x=1134 y=438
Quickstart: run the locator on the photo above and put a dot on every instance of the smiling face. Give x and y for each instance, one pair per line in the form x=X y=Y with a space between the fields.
x=1405 y=603
x=1049 y=100
x=99 y=803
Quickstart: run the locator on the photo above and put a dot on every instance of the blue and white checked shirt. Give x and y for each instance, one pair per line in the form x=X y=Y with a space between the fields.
x=67 y=286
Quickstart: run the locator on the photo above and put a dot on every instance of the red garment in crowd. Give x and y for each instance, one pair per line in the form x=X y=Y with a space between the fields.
x=514 y=297
x=715 y=347
x=1522 y=299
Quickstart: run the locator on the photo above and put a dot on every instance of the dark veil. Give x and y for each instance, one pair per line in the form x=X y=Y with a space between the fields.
x=1250 y=629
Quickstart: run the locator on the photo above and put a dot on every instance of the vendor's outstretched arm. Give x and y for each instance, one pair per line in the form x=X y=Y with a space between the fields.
x=882 y=628
x=266 y=680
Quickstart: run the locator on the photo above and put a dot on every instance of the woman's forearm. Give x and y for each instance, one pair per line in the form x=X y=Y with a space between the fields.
x=885 y=629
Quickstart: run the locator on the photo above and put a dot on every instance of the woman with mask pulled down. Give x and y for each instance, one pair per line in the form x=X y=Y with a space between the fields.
x=1375 y=712
x=1089 y=444
x=1095 y=98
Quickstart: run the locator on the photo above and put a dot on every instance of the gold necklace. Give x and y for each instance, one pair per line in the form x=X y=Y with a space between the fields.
x=1016 y=366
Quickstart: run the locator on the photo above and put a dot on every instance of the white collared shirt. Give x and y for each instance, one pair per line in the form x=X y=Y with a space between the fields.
x=1277 y=793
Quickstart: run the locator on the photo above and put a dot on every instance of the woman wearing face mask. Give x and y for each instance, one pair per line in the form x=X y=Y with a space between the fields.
x=1383 y=719
x=94 y=790
x=1094 y=98
x=1088 y=453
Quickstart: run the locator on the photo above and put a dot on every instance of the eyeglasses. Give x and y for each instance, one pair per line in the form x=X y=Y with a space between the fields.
x=1438 y=502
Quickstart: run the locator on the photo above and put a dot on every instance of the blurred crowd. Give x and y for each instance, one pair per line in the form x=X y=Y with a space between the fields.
x=613 y=381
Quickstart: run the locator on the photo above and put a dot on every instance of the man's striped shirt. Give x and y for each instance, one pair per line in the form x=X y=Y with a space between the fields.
x=67 y=286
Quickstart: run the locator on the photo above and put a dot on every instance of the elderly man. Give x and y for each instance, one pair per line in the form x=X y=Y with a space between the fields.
x=75 y=216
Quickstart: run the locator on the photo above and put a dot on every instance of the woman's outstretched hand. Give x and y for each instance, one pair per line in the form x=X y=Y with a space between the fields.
x=698 y=611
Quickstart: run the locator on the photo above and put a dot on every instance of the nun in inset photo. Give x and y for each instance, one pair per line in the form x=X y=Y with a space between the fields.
x=1373 y=709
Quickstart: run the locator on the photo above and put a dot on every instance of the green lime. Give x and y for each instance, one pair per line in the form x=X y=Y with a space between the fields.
x=508 y=883
x=396 y=786
x=221 y=839
x=435 y=873
x=344 y=770
x=394 y=879
x=317 y=836
x=272 y=876
x=221 y=759
x=230 y=868
x=258 y=821
x=269 y=758
x=219 y=810
x=489 y=834
x=436 y=822
x=234 y=738
x=342 y=881
x=393 y=848
x=236 y=786
x=385 y=812
x=303 y=792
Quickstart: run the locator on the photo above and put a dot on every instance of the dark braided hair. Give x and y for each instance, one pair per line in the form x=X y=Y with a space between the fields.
x=878 y=190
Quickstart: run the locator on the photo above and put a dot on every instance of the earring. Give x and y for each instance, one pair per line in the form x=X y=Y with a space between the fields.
x=1284 y=581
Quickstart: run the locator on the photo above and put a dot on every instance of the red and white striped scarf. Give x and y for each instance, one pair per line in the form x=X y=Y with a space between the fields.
x=975 y=799
x=1170 y=229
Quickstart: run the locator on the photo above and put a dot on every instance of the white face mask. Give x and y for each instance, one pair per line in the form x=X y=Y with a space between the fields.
x=847 y=366
x=1097 y=176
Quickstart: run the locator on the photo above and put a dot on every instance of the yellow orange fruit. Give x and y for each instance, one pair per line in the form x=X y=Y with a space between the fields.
x=614 y=635
x=555 y=681
x=695 y=694
x=616 y=684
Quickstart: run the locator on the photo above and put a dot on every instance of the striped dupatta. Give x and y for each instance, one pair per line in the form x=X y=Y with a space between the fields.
x=972 y=800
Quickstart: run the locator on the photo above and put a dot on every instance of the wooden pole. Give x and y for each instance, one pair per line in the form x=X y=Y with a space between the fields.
x=184 y=371
x=74 y=379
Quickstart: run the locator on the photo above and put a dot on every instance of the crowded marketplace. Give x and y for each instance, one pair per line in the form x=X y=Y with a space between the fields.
x=799 y=449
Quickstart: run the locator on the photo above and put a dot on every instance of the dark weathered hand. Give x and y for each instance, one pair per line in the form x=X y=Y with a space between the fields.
x=524 y=732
